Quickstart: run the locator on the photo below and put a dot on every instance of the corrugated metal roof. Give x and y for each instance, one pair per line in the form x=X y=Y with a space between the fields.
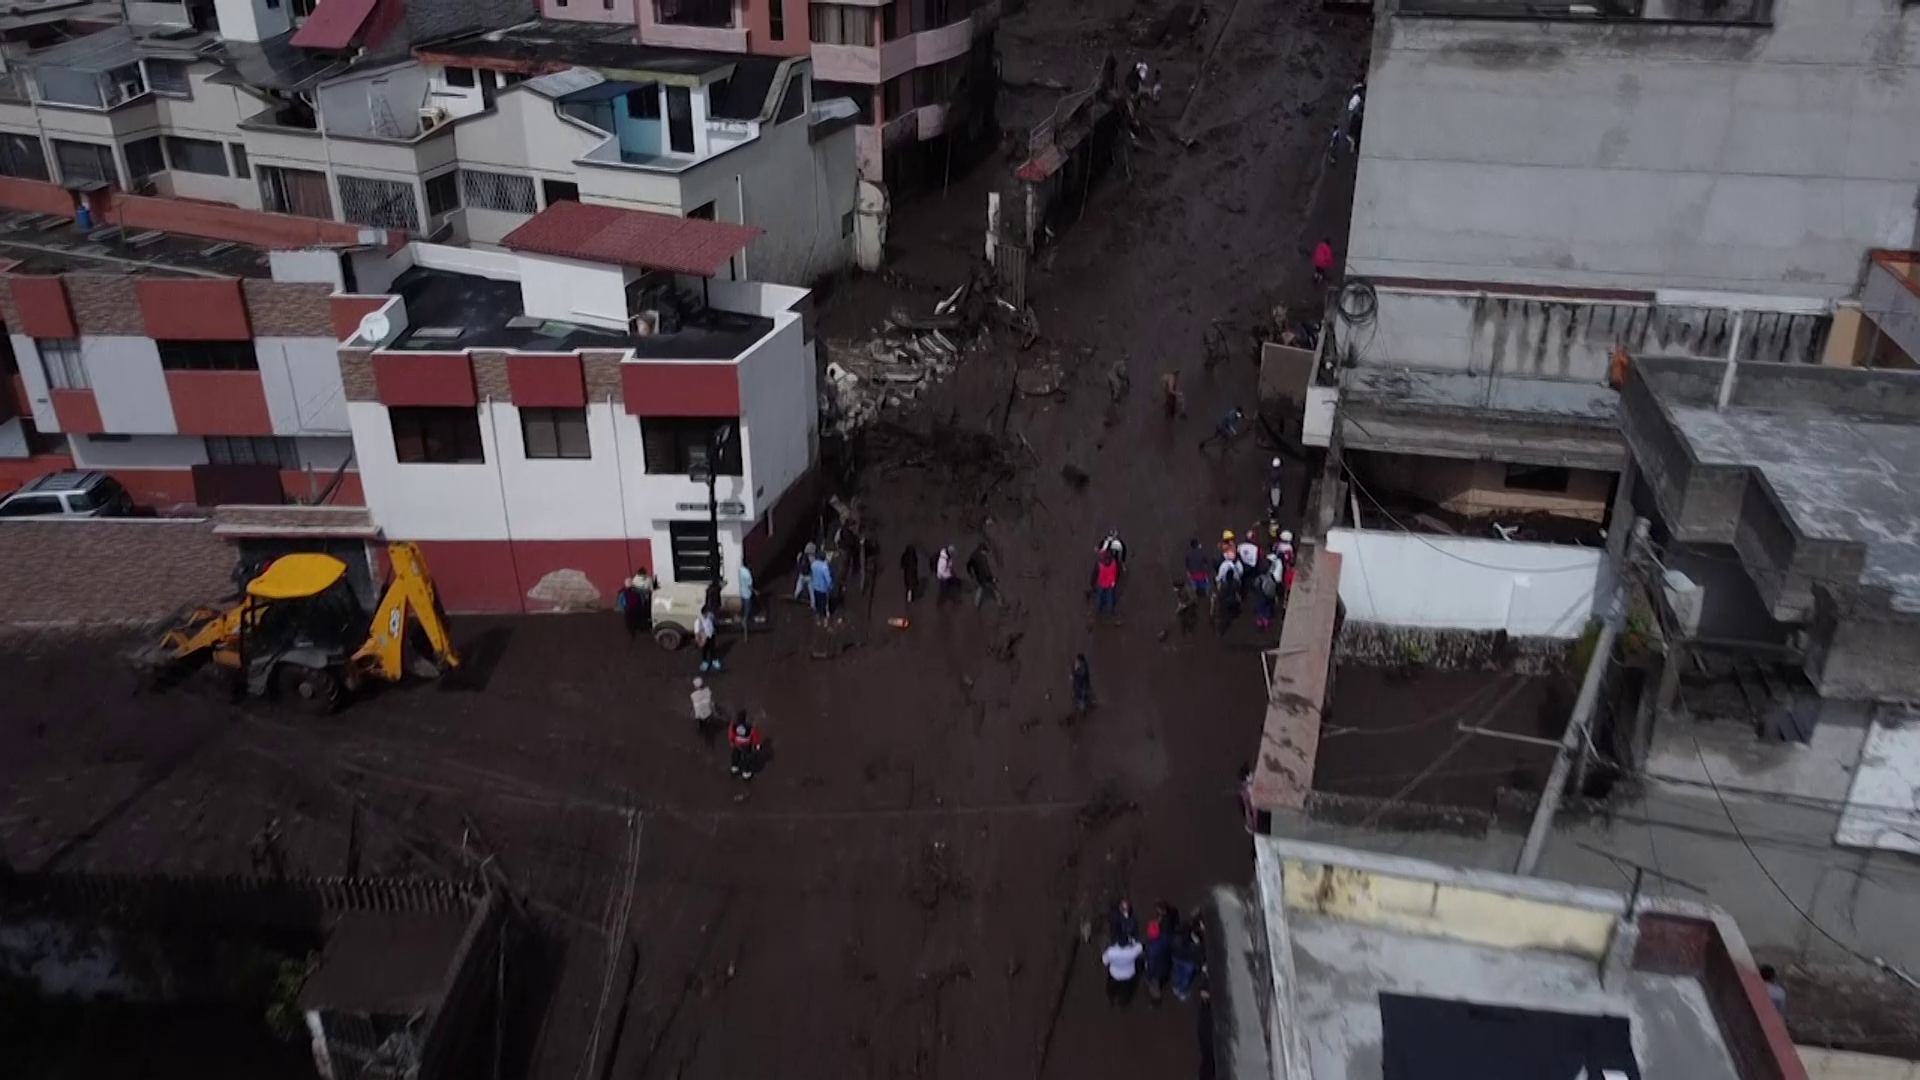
x=623 y=237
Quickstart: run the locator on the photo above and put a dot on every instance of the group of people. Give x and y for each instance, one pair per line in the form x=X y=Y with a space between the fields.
x=1171 y=954
x=1241 y=569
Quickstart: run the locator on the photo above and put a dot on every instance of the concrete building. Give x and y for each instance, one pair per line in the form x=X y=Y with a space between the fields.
x=349 y=118
x=1543 y=188
x=189 y=350
x=922 y=73
x=541 y=420
x=1342 y=963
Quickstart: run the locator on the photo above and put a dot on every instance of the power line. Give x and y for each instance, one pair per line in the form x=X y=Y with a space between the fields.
x=1768 y=874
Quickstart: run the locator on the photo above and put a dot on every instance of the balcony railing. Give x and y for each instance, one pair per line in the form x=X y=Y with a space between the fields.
x=1712 y=12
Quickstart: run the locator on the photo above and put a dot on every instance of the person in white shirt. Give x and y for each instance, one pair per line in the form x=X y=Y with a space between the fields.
x=1122 y=961
x=946 y=575
x=1249 y=554
x=702 y=698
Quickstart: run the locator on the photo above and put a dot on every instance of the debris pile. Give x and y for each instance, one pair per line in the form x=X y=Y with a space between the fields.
x=913 y=352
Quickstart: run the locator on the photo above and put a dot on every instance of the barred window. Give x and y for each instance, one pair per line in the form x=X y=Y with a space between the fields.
x=169 y=77
x=381 y=204
x=506 y=192
x=85 y=162
x=252 y=450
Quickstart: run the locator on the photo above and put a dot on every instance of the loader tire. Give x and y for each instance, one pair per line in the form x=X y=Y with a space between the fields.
x=312 y=690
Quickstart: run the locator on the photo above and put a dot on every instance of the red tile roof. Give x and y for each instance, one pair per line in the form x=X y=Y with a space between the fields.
x=334 y=24
x=614 y=234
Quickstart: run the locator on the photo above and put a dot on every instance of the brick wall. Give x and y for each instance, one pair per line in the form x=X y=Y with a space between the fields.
x=490 y=376
x=289 y=309
x=603 y=376
x=105 y=304
x=356 y=375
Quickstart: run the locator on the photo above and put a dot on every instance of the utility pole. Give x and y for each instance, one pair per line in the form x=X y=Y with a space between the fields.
x=1575 y=740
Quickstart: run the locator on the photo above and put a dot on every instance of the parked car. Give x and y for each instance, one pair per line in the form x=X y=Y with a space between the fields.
x=73 y=493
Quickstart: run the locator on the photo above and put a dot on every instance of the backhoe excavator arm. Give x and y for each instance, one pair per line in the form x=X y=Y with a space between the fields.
x=409 y=597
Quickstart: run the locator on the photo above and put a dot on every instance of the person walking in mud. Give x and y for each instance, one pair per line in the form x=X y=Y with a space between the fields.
x=706 y=635
x=946 y=576
x=1082 y=684
x=1106 y=586
x=703 y=715
x=1226 y=431
x=1189 y=958
x=1171 y=400
x=743 y=747
x=1122 y=961
x=820 y=577
x=1322 y=263
x=910 y=571
x=803 y=573
x=1158 y=957
x=745 y=578
x=980 y=569
x=1276 y=488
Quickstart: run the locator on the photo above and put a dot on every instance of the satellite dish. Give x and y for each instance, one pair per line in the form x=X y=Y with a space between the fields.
x=374 y=327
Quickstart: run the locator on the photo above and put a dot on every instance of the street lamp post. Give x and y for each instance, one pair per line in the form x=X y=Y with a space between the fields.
x=716 y=445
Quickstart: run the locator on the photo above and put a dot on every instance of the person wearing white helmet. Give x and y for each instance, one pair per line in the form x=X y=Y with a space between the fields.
x=1276 y=492
x=702 y=699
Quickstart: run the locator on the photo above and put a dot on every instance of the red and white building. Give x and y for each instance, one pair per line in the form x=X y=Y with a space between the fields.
x=538 y=418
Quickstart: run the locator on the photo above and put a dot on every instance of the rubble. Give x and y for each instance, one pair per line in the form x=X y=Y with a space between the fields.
x=913 y=352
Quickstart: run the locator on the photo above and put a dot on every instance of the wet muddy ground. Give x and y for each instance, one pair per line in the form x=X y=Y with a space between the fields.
x=900 y=892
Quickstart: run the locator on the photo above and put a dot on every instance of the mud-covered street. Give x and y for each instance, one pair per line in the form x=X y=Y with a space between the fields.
x=901 y=892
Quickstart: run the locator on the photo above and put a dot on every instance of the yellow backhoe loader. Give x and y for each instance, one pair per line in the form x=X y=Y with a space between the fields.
x=298 y=633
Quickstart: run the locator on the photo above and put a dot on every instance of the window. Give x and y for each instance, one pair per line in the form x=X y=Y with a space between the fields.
x=890 y=21
x=96 y=495
x=281 y=453
x=703 y=212
x=508 y=78
x=303 y=9
x=208 y=356
x=460 y=76
x=679 y=446
x=555 y=433
x=239 y=154
x=841 y=24
x=643 y=103
x=22 y=156
x=295 y=191
x=507 y=192
x=793 y=100
x=1545 y=478
x=436 y=434
x=380 y=204
x=197 y=156
x=846 y=224
x=31 y=506
x=717 y=13
x=82 y=163
x=125 y=84
x=777 y=21
x=680 y=119
x=60 y=359
x=169 y=77
x=144 y=158
x=554 y=191
x=692 y=550
x=443 y=193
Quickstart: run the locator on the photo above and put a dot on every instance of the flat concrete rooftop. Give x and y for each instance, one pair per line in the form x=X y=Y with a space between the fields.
x=48 y=244
x=1343 y=968
x=1389 y=968
x=1838 y=477
x=450 y=311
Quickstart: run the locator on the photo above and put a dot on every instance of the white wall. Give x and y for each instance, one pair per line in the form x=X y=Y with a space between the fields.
x=348 y=107
x=592 y=294
x=1462 y=583
x=778 y=405
x=498 y=265
x=425 y=502
x=301 y=377
x=559 y=498
x=318 y=266
x=139 y=452
x=26 y=357
x=13 y=439
x=251 y=20
x=128 y=384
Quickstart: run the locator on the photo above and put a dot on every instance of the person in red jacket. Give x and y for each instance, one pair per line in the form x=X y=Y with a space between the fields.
x=1106 y=582
x=743 y=746
x=1322 y=262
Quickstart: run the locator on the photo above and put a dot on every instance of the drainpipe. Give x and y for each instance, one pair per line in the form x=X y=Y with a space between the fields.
x=1733 y=360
